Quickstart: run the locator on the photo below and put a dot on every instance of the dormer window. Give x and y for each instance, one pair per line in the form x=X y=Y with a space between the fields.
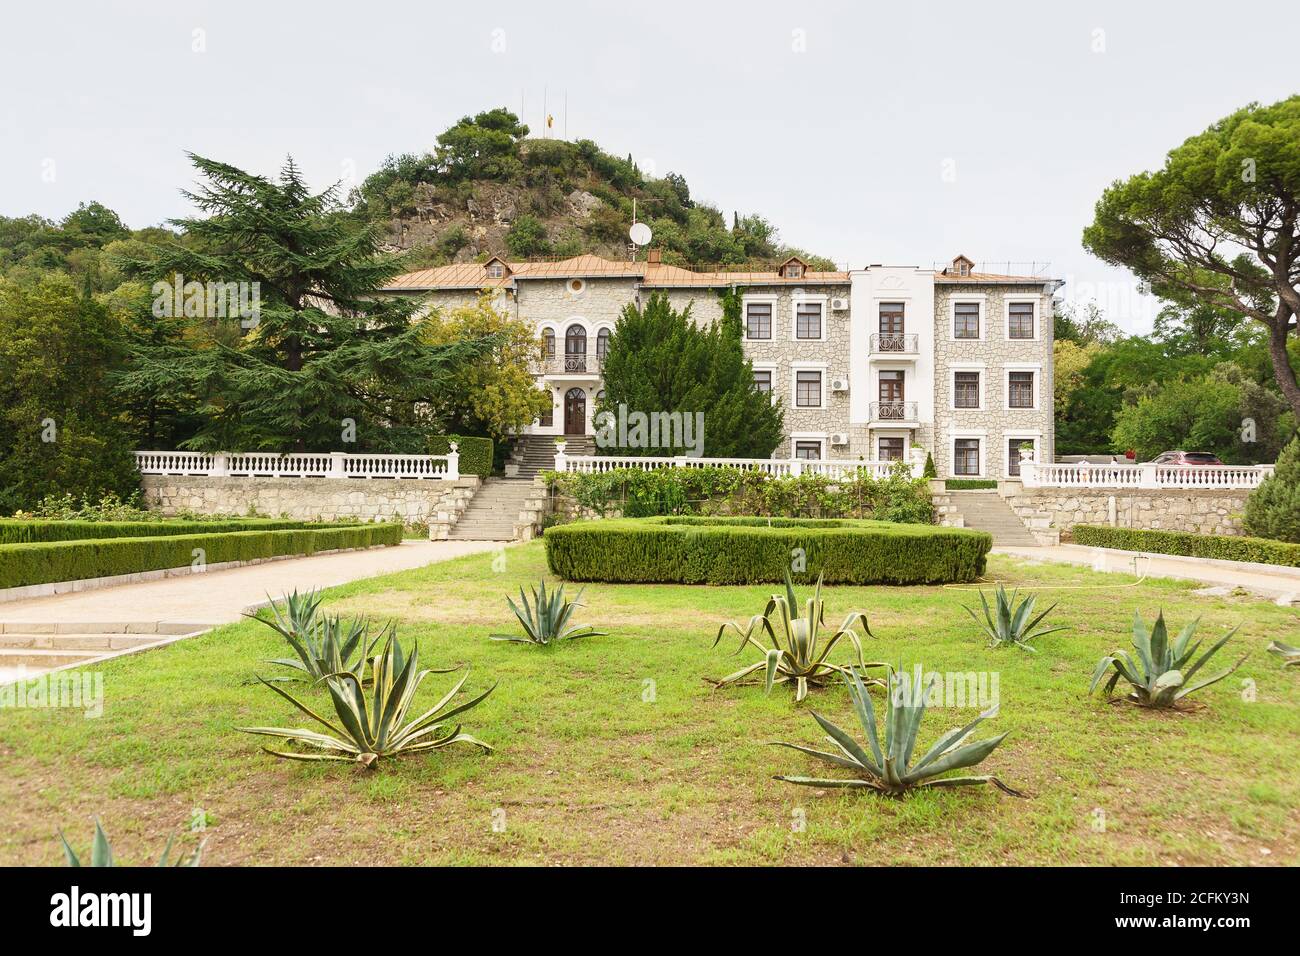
x=496 y=268
x=961 y=266
x=793 y=268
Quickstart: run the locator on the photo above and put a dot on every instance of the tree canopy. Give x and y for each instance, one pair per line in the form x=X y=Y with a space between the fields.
x=1219 y=224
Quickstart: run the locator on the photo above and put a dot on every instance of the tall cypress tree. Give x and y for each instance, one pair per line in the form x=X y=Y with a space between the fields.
x=325 y=348
x=659 y=360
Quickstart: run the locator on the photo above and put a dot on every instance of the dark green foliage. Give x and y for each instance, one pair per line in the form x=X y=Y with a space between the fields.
x=324 y=349
x=60 y=430
x=1273 y=509
x=475 y=452
x=930 y=471
x=732 y=491
x=660 y=361
x=695 y=550
x=20 y=531
x=1223 y=546
x=527 y=238
x=41 y=563
x=969 y=484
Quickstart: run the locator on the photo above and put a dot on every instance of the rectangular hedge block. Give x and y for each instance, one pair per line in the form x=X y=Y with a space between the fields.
x=45 y=562
x=700 y=550
x=1226 y=547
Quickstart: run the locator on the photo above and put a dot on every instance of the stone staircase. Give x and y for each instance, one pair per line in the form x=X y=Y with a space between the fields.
x=986 y=511
x=536 y=453
x=31 y=649
x=503 y=509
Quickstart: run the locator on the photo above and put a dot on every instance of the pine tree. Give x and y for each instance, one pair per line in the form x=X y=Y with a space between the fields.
x=324 y=347
x=659 y=360
x=1273 y=509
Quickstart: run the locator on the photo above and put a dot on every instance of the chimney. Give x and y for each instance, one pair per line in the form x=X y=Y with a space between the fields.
x=654 y=257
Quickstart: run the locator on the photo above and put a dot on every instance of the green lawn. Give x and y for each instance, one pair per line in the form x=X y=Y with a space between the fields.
x=587 y=771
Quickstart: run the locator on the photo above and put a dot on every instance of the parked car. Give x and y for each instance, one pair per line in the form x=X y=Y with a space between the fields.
x=1186 y=458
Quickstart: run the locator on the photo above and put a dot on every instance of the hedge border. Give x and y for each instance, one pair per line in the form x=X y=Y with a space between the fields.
x=700 y=550
x=1223 y=547
x=55 y=561
x=475 y=452
x=28 y=530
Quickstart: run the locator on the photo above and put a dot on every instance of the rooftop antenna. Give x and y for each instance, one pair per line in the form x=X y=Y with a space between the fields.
x=640 y=233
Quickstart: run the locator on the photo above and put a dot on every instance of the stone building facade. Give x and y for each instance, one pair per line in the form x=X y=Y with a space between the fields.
x=868 y=363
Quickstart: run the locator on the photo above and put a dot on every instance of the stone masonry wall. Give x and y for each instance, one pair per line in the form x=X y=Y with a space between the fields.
x=1209 y=511
x=991 y=355
x=326 y=499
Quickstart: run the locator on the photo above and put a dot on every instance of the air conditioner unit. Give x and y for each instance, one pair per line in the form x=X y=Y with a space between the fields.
x=839 y=438
x=839 y=385
x=839 y=305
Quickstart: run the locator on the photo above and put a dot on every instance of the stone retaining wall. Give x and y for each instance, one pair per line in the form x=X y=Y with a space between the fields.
x=1057 y=510
x=326 y=499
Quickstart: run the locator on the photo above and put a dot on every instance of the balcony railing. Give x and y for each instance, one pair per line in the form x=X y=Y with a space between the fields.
x=893 y=411
x=319 y=465
x=900 y=343
x=570 y=363
x=1086 y=475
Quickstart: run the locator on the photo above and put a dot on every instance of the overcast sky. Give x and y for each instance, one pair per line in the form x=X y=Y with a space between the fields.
x=903 y=132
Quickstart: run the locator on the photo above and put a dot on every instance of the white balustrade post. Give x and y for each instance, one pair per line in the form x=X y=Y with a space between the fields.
x=796 y=467
x=918 y=462
x=1028 y=470
x=337 y=458
x=1147 y=476
x=453 y=461
x=561 y=460
x=220 y=464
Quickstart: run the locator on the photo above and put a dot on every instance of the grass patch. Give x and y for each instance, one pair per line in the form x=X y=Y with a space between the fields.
x=615 y=750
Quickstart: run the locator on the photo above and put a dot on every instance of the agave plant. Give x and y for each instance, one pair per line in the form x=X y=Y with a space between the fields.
x=1012 y=623
x=1290 y=655
x=323 y=645
x=544 y=621
x=1160 y=677
x=101 y=851
x=372 y=724
x=799 y=644
x=887 y=765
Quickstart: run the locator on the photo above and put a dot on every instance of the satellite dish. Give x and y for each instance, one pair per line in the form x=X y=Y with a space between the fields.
x=639 y=233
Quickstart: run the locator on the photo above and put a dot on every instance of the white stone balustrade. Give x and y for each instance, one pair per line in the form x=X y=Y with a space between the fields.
x=834 y=469
x=1148 y=476
x=335 y=464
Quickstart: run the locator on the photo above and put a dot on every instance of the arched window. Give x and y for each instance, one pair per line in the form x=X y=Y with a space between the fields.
x=575 y=349
x=602 y=343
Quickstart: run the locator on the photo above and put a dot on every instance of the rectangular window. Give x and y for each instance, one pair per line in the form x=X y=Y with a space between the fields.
x=891 y=318
x=547 y=418
x=763 y=381
x=1020 y=390
x=758 y=320
x=1020 y=320
x=966 y=389
x=1013 y=455
x=808 y=389
x=808 y=450
x=891 y=386
x=808 y=321
x=891 y=449
x=966 y=320
x=966 y=456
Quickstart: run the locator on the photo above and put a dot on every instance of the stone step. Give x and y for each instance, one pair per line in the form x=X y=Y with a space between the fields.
x=79 y=642
x=43 y=658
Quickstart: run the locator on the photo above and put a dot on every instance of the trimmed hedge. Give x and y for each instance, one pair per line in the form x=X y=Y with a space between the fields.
x=20 y=531
x=699 y=550
x=45 y=562
x=475 y=453
x=1225 y=547
x=969 y=484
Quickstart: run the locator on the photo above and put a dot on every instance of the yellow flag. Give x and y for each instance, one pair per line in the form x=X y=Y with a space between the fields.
x=550 y=120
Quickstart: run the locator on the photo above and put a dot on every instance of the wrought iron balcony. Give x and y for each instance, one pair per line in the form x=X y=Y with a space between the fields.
x=895 y=343
x=570 y=363
x=893 y=411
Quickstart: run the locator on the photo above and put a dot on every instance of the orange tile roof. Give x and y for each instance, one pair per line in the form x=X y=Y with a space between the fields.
x=473 y=275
